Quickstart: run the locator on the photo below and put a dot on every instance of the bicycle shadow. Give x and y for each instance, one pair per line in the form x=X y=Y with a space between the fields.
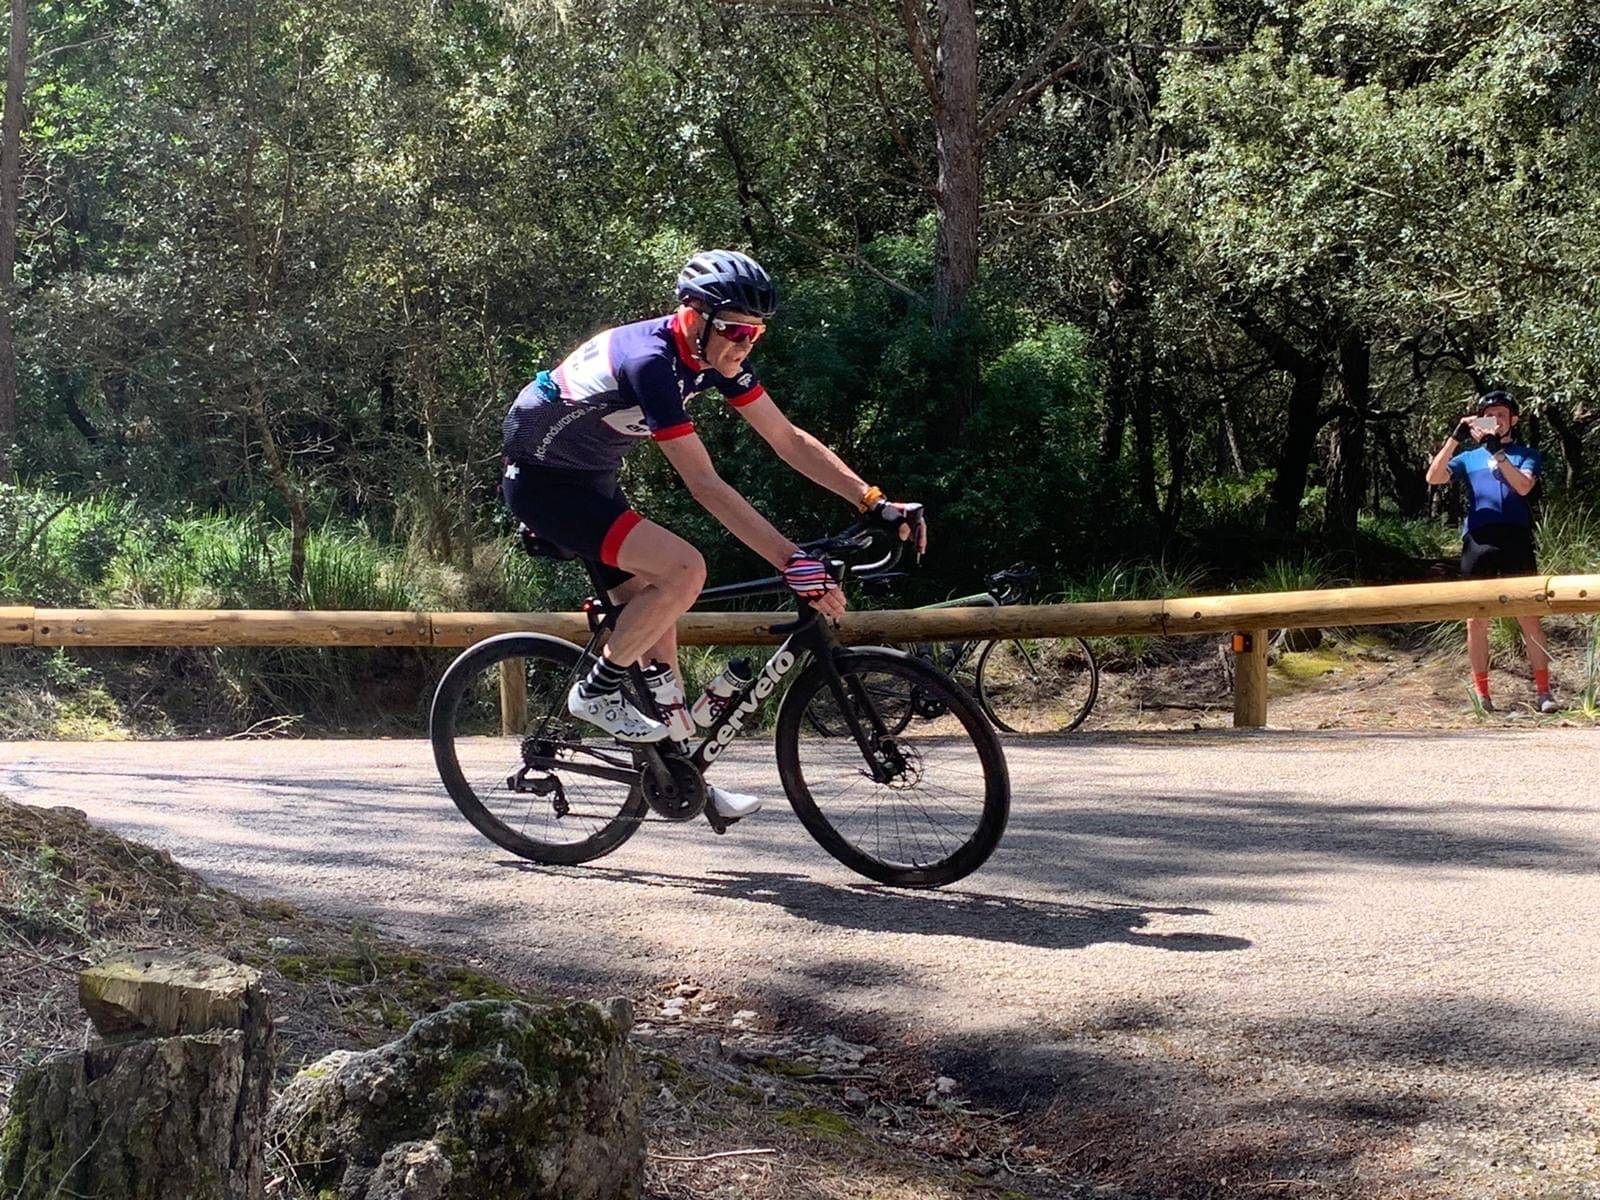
x=947 y=913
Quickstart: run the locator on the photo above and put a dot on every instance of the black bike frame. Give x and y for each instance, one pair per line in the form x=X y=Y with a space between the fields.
x=807 y=634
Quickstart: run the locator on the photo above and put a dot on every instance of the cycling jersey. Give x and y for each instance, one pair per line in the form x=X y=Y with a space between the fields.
x=611 y=392
x=1494 y=501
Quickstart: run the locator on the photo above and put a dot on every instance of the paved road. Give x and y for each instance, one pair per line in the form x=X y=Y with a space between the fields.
x=1264 y=924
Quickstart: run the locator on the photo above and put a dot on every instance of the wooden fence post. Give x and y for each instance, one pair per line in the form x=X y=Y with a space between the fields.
x=1250 y=679
x=513 y=696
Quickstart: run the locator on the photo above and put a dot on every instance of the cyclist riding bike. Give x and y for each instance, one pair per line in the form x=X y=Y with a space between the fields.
x=564 y=441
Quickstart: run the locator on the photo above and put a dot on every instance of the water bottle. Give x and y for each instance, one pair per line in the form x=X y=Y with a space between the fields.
x=711 y=703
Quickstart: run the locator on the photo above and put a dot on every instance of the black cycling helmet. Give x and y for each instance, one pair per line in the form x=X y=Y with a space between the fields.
x=1498 y=399
x=725 y=279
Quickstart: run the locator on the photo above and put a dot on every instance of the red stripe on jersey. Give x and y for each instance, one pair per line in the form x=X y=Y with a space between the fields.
x=749 y=397
x=683 y=429
x=685 y=351
x=617 y=534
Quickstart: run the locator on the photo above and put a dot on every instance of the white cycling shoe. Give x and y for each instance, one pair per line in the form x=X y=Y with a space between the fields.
x=613 y=713
x=731 y=804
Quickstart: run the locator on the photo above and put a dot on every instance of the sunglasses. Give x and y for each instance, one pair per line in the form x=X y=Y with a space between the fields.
x=738 y=331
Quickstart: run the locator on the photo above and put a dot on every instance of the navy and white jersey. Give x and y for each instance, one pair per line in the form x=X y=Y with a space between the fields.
x=610 y=393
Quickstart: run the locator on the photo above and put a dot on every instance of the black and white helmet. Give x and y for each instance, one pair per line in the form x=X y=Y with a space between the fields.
x=726 y=279
x=1501 y=399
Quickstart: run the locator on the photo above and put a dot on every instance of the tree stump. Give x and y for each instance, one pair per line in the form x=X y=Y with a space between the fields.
x=172 y=1104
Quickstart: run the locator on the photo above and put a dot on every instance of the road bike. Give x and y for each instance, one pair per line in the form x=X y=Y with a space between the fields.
x=1024 y=685
x=913 y=808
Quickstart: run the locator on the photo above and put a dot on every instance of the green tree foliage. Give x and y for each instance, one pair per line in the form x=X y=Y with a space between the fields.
x=1240 y=261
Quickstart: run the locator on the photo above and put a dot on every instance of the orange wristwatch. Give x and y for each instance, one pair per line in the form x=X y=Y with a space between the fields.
x=873 y=495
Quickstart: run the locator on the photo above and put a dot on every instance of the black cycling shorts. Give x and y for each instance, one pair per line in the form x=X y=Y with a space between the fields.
x=1492 y=551
x=583 y=512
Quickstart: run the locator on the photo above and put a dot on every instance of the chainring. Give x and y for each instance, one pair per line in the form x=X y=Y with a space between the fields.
x=684 y=798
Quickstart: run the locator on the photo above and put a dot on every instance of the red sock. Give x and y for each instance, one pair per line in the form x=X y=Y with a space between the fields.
x=1480 y=680
x=1541 y=681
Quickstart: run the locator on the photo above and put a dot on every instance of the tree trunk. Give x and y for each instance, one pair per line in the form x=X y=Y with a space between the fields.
x=1410 y=489
x=1305 y=373
x=293 y=499
x=1571 y=439
x=1176 y=429
x=956 y=261
x=1230 y=431
x=10 y=188
x=1299 y=443
x=1144 y=452
x=1347 y=462
x=1116 y=422
x=958 y=194
x=66 y=387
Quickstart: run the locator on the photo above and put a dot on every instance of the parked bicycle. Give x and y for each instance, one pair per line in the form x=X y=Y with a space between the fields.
x=915 y=808
x=1024 y=685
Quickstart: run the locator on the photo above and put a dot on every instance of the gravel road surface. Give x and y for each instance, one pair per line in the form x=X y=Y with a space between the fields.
x=1373 y=959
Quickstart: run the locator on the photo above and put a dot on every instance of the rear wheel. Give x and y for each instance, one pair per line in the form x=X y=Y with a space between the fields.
x=524 y=788
x=1038 y=685
x=916 y=806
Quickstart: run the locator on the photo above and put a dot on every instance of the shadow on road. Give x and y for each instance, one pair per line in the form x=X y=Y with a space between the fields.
x=949 y=912
x=1169 y=1101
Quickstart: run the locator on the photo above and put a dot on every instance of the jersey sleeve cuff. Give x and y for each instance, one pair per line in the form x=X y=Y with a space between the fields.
x=668 y=432
x=749 y=397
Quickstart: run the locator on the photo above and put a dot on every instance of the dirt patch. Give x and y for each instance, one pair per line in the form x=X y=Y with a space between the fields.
x=737 y=1107
x=1405 y=677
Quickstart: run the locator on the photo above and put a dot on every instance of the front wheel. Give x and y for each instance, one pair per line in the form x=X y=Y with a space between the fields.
x=916 y=806
x=529 y=776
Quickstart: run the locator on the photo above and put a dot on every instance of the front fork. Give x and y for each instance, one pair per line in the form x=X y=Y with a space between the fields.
x=877 y=744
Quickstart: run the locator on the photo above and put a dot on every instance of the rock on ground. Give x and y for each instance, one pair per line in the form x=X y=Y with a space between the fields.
x=485 y=1100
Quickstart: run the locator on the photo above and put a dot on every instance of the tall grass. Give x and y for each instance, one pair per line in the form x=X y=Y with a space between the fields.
x=1160 y=580
x=1588 y=701
x=1408 y=538
x=107 y=551
x=1568 y=537
x=1304 y=574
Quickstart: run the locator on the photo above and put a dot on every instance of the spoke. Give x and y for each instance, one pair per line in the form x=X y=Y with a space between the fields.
x=488 y=759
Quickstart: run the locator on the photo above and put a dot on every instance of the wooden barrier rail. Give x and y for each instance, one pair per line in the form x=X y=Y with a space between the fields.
x=1250 y=615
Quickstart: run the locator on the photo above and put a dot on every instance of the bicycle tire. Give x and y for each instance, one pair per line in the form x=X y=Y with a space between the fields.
x=1017 y=688
x=466 y=708
x=809 y=761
